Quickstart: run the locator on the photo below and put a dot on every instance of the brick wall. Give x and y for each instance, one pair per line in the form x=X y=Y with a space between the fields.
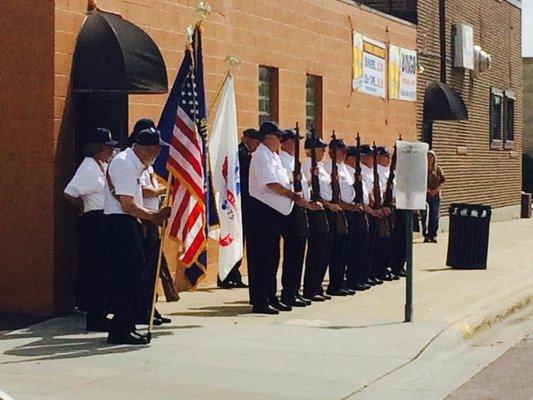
x=528 y=106
x=26 y=157
x=483 y=175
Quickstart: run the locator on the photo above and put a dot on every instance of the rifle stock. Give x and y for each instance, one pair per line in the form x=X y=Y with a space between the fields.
x=320 y=225
x=302 y=224
x=341 y=226
x=358 y=180
x=383 y=225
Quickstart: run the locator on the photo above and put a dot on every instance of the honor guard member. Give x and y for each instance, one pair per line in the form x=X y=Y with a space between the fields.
x=317 y=257
x=384 y=244
x=86 y=192
x=151 y=195
x=124 y=206
x=357 y=261
x=338 y=243
x=367 y=172
x=250 y=141
x=294 y=230
x=271 y=200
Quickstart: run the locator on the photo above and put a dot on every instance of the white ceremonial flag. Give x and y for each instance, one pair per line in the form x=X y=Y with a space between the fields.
x=224 y=158
x=411 y=175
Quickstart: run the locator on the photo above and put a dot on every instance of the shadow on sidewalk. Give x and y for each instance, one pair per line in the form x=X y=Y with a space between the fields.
x=339 y=327
x=65 y=338
x=214 y=311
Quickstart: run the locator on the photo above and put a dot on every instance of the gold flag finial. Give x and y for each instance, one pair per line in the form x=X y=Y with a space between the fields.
x=189 y=35
x=203 y=9
x=91 y=5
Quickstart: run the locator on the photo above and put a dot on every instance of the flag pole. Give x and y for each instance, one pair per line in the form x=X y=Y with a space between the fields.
x=159 y=260
x=218 y=92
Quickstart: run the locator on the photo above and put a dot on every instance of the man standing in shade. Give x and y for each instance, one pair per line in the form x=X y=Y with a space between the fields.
x=249 y=143
x=124 y=207
x=271 y=200
x=294 y=239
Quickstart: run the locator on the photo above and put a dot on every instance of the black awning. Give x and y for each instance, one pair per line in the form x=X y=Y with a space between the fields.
x=114 y=55
x=441 y=103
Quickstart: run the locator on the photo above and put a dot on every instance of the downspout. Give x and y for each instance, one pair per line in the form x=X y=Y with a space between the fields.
x=442 y=37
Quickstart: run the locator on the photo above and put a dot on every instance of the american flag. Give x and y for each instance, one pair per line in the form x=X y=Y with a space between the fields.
x=183 y=125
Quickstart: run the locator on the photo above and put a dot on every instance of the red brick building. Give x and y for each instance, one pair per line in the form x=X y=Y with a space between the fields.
x=481 y=156
x=296 y=66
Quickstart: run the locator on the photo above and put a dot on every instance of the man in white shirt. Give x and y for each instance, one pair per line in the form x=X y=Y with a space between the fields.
x=86 y=192
x=124 y=206
x=296 y=227
x=317 y=258
x=271 y=200
x=357 y=261
x=338 y=242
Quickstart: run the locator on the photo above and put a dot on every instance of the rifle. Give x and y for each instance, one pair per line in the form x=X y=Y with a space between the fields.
x=341 y=226
x=320 y=225
x=387 y=201
x=383 y=227
x=302 y=224
x=358 y=179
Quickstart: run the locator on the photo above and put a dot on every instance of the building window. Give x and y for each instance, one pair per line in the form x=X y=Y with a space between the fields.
x=508 y=131
x=496 y=111
x=313 y=103
x=268 y=94
x=502 y=119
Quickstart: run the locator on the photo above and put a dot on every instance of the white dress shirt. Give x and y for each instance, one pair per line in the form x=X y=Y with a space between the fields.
x=346 y=181
x=323 y=178
x=368 y=178
x=88 y=184
x=287 y=161
x=125 y=171
x=149 y=182
x=351 y=171
x=265 y=168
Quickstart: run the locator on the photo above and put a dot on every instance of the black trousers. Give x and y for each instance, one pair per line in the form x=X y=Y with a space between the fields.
x=357 y=260
x=262 y=247
x=316 y=259
x=93 y=276
x=127 y=266
x=380 y=250
x=337 y=255
x=293 y=258
x=398 y=255
x=151 y=243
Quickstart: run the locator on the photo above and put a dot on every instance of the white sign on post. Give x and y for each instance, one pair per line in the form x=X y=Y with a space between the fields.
x=411 y=175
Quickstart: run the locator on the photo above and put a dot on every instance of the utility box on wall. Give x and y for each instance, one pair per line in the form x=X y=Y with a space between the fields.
x=463 y=46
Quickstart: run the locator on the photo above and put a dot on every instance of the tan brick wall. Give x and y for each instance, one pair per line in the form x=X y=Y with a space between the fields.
x=296 y=36
x=26 y=157
x=528 y=106
x=483 y=175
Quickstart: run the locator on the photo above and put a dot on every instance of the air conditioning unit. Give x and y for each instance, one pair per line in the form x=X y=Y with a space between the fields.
x=463 y=46
x=482 y=61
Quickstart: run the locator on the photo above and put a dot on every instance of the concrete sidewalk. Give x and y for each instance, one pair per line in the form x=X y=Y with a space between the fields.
x=348 y=348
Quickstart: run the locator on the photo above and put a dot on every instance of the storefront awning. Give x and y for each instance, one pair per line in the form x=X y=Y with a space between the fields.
x=114 y=55
x=441 y=103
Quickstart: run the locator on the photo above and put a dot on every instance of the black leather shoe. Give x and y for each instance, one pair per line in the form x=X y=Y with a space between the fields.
x=361 y=288
x=351 y=292
x=402 y=273
x=297 y=303
x=386 y=277
x=378 y=281
x=395 y=277
x=282 y=306
x=132 y=338
x=318 y=298
x=371 y=282
x=224 y=284
x=326 y=296
x=239 y=285
x=165 y=320
x=304 y=299
x=337 y=292
x=268 y=309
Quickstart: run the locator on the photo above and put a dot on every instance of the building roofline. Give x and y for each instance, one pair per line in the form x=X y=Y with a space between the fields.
x=516 y=3
x=382 y=14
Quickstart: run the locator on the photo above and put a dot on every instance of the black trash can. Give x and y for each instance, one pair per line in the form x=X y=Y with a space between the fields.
x=468 y=241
